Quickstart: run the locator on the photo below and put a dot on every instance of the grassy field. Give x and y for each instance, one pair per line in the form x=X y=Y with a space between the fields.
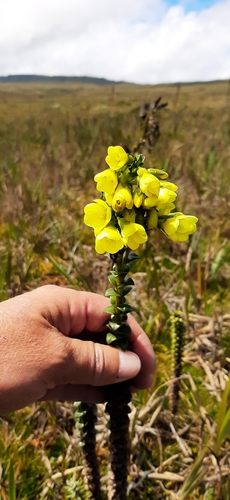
x=53 y=140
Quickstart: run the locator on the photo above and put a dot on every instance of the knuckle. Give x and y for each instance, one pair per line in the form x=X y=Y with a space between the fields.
x=99 y=364
x=61 y=358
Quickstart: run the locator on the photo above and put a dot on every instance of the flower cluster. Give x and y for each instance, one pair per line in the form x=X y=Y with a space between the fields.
x=133 y=201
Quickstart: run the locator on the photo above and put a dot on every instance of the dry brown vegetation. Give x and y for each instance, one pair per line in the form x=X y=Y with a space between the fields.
x=53 y=139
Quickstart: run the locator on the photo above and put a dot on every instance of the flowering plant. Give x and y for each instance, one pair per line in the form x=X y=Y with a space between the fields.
x=133 y=201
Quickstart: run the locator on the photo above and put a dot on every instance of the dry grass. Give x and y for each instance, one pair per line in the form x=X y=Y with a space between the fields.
x=53 y=139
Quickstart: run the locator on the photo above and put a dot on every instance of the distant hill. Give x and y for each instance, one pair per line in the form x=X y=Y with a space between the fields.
x=61 y=79
x=87 y=79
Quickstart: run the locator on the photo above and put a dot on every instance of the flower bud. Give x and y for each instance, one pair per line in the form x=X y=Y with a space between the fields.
x=138 y=197
x=149 y=184
x=152 y=219
x=122 y=199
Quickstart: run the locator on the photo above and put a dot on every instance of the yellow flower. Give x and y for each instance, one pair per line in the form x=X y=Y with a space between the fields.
x=138 y=197
x=179 y=227
x=150 y=202
x=134 y=234
x=108 y=198
x=152 y=219
x=106 y=181
x=109 y=240
x=169 y=185
x=149 y=184
x=166 y=196
x=122 y=199
x=117 y=157
x=97 y=215
x=164 y=208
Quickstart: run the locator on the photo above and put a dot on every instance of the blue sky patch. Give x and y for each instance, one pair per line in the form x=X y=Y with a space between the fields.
x=192 y=5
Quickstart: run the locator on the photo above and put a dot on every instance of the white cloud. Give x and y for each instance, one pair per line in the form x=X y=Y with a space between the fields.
x=134 y=40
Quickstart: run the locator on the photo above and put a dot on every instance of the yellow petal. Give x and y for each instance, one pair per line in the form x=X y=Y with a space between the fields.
x=149 y=184
x=134 y=234
x=109 y=240
x=97 y=215
x=117 y=157
x=106 y=181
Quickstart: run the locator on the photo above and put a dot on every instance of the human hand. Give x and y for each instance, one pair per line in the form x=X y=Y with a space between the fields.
x=52 y=348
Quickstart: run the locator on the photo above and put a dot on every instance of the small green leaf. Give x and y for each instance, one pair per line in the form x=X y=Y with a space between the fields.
x=129 y=281
x=113 y=300
x=110 y=292
x=110 y=310
x=114 y=273
x=126 y=308
x=110 y=338
x=132 y=256
x=126 y=290
x=112 y=280
x=113 y=326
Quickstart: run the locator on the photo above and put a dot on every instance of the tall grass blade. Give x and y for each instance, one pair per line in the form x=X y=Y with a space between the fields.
x=12 y=484
x=223 y=418
x=192 y=481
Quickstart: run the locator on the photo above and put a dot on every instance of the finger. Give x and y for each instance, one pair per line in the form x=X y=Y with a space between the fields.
x=71 y=311
x=70 y=392
x=91 y=363
x=142 y=346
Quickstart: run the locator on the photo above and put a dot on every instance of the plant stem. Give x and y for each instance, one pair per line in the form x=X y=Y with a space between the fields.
x=119 y=395
x=118 y=410
x=87 y=415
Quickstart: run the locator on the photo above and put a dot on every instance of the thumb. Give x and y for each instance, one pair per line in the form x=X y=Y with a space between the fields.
x=96 y=364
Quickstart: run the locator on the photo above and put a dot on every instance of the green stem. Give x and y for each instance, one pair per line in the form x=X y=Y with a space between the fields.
x=120 y=268
x=119 y=395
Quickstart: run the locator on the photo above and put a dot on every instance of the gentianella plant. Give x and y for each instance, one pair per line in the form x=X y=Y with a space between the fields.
x=134 y=201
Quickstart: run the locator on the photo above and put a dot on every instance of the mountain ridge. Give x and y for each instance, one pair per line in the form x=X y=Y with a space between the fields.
x=88 y=80
x=61 y=79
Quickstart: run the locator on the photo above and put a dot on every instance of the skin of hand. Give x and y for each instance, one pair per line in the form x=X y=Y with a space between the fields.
x=52 y=347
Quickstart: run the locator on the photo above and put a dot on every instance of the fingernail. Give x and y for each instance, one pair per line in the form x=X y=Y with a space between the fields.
x=130 y=365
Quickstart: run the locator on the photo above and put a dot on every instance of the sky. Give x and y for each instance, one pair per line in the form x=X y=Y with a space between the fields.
x=139 y=41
